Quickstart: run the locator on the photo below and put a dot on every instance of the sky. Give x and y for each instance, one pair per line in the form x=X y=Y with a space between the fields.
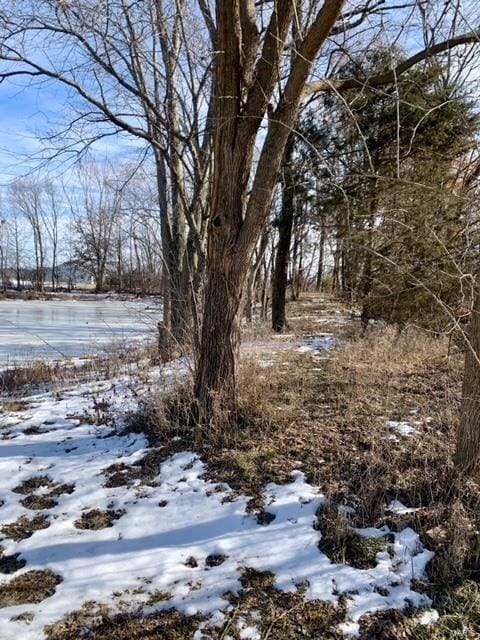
x=24 y=113
x=30 y=109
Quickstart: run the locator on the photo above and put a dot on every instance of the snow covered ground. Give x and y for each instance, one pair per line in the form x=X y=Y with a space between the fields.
x=181 y=536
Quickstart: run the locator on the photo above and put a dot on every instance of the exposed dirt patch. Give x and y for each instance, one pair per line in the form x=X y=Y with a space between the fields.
x=94 y=623
x=29 y=587
x=214 y=560
x=42 y=501
x=97 y=519
x=24 y=527
x=61 y=489
x=120 y=474
x=253 y=579
x=191 y=562
x=146 y=469
x=157 y=597
x=278 y=615
x=343 y=545
x=265 y=518
x=23 y=617
x=32 y=431
x=38 y=502
x=13 y=406
x=33 y=484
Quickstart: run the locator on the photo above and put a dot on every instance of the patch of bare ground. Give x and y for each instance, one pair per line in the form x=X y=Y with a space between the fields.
x=95 y=622
x=278 y=615
x=24 y=527
x=13 y=406
x=41 y=501
x=146 y=469
x=30 y=587
x=343 y=545
x=33 y=484
x=38 y=502
x=98 y=519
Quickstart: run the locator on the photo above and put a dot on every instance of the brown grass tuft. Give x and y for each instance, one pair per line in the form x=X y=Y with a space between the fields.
x=30 y=587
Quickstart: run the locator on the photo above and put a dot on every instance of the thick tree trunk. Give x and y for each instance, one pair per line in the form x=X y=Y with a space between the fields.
x=216 y=379
x=226 y=273
x=245 y=80
x=468 y=437
x=285 y=226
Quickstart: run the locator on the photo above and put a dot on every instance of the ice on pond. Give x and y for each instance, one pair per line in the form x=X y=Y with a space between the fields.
x=57 y=329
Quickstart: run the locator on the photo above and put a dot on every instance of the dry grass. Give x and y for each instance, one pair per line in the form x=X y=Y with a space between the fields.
x=25 y=527
x=30 y=587
x=41 y=501
x=32 y=484
x=95 y=622
x=328 y=415
x=40 y=373
x=278 y=615
x=97 y=519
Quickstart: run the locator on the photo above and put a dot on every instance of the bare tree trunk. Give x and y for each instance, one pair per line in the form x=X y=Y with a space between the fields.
x=321 y=257
x=17 y=259
x=252 y=282
x=285 y=226
x=294 y=261
x=175 y=286
x=220 y=343
x=468 y=438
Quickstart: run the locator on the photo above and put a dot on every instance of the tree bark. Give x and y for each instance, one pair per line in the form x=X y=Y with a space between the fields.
x=468 y=438
x=216 y=379
x=321 y=257
x=285 y=226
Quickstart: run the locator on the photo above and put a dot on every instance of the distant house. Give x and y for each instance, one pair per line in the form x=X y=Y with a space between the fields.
x=73 y=275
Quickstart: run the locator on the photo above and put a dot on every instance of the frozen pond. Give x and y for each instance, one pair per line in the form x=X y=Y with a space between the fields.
x=51 y=329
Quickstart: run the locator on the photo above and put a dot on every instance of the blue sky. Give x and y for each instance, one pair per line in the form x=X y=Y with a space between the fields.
x=29 y=110
x=24 y=112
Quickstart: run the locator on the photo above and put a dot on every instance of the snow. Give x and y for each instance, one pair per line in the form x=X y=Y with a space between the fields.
x=332 y=320
x=402 y=428
x=248 y=631
x=399 y=508
x=428 y=617
x=178 y=516
x=373 y=532
x=318 y=342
